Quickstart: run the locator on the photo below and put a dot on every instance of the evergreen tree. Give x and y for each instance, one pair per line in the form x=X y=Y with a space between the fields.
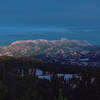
x=60 y=97
x=65 y=98
x=55 y=98
x=3 y=91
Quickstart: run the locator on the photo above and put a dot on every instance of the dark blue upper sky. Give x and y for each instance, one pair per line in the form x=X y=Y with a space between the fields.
x=48 y=12
x=49 y=19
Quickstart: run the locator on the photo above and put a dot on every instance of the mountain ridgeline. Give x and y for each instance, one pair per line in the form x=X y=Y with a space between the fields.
x=44 y=47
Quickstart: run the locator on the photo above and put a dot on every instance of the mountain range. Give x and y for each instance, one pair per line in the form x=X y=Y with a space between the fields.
x=42 y=47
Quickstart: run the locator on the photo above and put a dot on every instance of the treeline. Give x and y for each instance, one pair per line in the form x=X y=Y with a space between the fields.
x=13 y=87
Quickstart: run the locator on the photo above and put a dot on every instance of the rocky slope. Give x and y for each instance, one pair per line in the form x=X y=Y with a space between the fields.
x=43 y=47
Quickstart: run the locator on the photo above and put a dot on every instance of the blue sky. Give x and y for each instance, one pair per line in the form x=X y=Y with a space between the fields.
x=49 y=19
x=48 y=12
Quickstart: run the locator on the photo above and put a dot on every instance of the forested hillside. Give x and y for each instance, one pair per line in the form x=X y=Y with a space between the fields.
x=14 y=85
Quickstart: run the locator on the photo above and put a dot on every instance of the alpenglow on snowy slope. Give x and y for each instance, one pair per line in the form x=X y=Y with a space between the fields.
x=44 y=47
